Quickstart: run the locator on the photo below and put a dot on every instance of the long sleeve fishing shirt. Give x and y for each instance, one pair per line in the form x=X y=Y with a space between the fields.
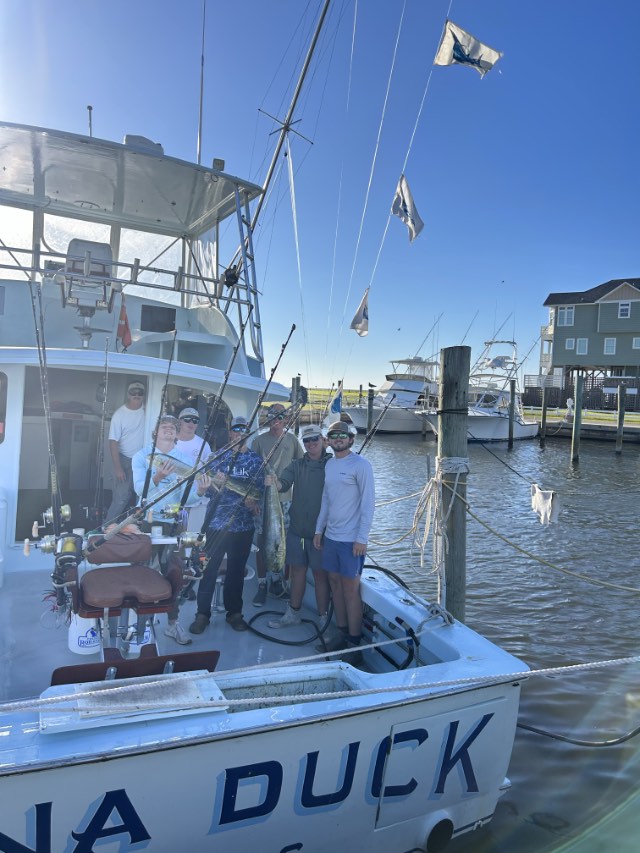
x=307 y=478
x=139 y=466
x=348 y=499
x=232 y=514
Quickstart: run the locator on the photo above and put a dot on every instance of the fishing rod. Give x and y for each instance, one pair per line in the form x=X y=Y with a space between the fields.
x=370 y=434
x=98 y=502
x=139 y=512
x=213 y=505
x=426 y=337
x=147 y=479
x=56 y=500
x=208 y=433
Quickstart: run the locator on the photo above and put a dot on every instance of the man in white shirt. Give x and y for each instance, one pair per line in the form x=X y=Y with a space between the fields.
x=126 y=437
x=342 y=532
x=189 y=443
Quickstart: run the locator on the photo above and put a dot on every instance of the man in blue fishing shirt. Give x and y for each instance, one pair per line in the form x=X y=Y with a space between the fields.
x=239 y=474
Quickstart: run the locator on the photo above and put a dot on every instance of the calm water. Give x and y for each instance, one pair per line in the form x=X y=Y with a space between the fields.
x=563 y=797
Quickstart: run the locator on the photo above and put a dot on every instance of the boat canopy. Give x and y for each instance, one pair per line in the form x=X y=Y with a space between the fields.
x=133 y=185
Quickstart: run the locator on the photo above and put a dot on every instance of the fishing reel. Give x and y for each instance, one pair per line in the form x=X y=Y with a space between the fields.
x=68 y=551
x=65 y=514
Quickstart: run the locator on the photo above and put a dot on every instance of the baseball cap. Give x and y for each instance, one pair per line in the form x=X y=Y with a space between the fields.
x=189 y=413
x=310 y=431
x=238 y=421
x=136 y=386
x=338 y=426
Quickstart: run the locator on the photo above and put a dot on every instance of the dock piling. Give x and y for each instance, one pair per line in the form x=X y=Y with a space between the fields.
x=577 y=420
x=543 y=417
x=622 y=402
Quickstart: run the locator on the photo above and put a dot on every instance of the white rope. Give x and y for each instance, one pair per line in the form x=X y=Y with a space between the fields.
x=294 y=699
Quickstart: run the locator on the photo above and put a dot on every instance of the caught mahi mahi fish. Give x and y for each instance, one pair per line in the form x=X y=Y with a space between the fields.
x=273 y=531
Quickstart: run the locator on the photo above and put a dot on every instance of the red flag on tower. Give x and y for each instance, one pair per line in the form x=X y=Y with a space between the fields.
x=124 y=332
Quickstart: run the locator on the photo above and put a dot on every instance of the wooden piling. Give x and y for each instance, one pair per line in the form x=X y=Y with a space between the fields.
x=622 y=401
x=295 y=394
x=512 y=411
x=360 y=396
x=452 y=444
x=369 y=410
x=577 y=419
x=543 y=417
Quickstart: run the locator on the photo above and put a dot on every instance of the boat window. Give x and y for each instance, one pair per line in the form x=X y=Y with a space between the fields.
x=3 y=404
x=157 y=318
x=58 y=232
x=16 y=227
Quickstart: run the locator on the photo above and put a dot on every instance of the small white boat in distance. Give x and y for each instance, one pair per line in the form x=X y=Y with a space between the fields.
x=414 y=383
x=490 y=397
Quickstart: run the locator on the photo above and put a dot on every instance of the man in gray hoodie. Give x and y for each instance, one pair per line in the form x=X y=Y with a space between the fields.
x=306 y=475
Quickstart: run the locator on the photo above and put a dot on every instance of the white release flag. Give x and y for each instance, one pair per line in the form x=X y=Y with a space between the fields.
x=404 y=207
x=360 y=322
x=461 y=48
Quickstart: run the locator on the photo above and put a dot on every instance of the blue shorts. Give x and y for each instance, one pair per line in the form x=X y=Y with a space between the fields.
x=300 y=552
x=338 y=557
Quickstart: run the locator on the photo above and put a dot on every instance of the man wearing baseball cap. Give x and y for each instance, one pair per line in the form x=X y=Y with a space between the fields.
x=306 y=476
x=126 y=437
x=189 y=443
x=342 y=531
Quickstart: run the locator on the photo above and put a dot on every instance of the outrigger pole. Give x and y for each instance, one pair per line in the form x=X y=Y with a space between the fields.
x=98 y=502
x=286 y=125
x=371 y=433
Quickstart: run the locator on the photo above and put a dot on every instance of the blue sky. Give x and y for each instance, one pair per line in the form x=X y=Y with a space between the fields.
x=527 y=180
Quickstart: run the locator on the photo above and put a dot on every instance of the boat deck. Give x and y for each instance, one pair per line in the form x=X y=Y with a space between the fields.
x=33 y=645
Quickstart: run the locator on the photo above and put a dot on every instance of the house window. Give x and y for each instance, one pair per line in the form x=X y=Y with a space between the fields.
x=635 y=344
x=570 y=343
x=624 y=310
x=582 y=346
x=565 y=315
x=609 y=346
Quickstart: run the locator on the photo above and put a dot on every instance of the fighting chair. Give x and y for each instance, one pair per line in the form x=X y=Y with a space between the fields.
x=122 y=581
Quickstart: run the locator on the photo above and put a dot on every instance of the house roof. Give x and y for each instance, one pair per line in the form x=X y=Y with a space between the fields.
x=590 y=296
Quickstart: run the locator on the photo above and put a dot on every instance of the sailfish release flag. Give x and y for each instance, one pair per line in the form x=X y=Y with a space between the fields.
x=360 y=322
x=404 y=207
x=458 y=47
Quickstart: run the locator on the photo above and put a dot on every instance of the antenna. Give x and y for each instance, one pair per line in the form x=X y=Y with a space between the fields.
x=90 y=110
x=199 y=145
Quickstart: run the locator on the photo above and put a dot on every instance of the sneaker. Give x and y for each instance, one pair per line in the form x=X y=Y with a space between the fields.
x=338 y=643
x=177 y=633
x=199 y=623
x=277 y=589
x=289 y=618
x=237 y=622
x=261 y=595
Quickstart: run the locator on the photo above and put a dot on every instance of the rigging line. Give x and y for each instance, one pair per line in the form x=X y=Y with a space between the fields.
x=426 y=337
x=199 y=141
x=469 y=327
x=339 y=206
x=294 y=212
x=373 y=163
x=540 y=560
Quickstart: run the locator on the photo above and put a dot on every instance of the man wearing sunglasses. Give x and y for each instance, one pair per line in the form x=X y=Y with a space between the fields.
x=288 y=449
x=342 y=531
x=306 y=476
x=189 y=444
x=126 y=437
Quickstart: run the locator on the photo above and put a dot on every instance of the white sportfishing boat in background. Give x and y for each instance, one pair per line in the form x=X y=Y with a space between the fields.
x=411 y=386
x=490 y=397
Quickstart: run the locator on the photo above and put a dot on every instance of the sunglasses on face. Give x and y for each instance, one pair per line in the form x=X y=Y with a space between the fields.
x=313 y=439
x=338 y=435
x=277 y=417
x=136 y=393
x=238 y=429
x=191 y=420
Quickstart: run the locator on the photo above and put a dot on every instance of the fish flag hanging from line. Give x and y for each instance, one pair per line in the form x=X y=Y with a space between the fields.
x=404 y=207
x=458 y=47
x=360 y=322
x=124 y=332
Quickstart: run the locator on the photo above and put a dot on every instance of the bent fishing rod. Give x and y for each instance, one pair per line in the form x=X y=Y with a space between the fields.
x=147 y=479
x=208 y=433
x=368 y=437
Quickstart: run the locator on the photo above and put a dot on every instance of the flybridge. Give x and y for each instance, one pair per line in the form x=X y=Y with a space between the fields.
x=135 y=186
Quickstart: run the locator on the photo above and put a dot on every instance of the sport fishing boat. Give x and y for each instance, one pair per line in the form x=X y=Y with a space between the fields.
x=244 y=741
x=411 y=386
x=490 y=397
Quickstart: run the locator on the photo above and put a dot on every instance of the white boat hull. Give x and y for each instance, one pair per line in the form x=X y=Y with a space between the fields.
x=395 y=420
x=490 y=427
